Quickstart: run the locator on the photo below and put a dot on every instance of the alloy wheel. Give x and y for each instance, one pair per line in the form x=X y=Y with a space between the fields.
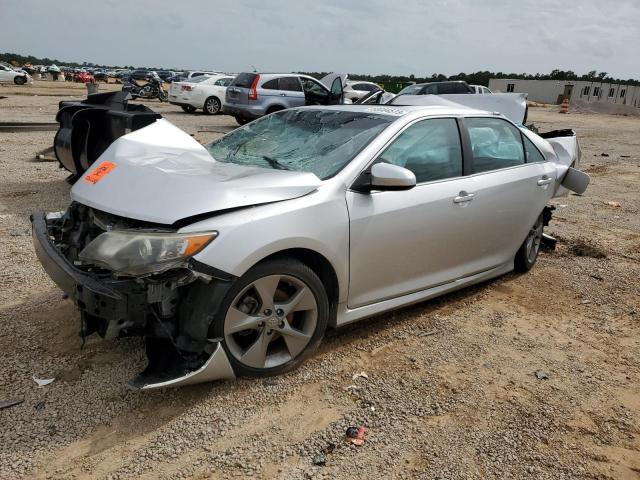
x=534 y=239
x=212 y=106
x=271 y=321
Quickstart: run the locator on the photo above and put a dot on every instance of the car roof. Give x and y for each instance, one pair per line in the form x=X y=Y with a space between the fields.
x=407 y=110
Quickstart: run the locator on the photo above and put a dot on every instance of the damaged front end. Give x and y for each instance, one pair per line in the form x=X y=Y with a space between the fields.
x=133 y=278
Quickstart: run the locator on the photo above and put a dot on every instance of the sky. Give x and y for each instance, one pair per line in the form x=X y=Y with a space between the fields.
x=419 y=37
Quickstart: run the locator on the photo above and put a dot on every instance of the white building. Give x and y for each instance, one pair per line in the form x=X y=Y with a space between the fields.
x=554 y=91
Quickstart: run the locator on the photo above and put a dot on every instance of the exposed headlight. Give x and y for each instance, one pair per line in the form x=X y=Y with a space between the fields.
x=135 y=253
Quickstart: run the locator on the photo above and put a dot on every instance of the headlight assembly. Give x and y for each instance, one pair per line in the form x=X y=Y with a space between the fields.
x=139 y=253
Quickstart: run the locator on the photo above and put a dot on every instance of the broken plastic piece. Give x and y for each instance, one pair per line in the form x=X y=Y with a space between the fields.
x=359 y=375
x=356 y=435
x=10 y=403
x=43 y=381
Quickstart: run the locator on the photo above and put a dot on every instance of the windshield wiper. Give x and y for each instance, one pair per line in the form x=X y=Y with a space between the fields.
x=274 y=162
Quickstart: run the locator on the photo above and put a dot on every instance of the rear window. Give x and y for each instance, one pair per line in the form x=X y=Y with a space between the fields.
x=308 y=140
x=244 y=80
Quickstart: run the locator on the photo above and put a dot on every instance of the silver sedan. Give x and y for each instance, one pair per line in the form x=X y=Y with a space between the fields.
x=233 y=258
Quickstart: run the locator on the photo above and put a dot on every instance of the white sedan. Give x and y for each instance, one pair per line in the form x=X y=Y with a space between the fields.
x=19 y=77
x=205 y=92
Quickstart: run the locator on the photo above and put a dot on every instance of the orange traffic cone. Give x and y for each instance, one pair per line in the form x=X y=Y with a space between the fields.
x=564 y=106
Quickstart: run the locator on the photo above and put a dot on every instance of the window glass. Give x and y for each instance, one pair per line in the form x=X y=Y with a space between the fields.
x=308 y=140
x=411 y=90
x=430 y=149
x=495 y=144
x=313 y=87
x=271 y=85
x=531 y=152
x=291 y=84
x=244 y=80
x=430 y=90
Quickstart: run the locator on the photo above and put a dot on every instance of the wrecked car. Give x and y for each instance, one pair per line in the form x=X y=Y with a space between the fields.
x=232 y=259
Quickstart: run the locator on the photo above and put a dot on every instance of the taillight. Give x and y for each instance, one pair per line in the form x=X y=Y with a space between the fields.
x=253 y=93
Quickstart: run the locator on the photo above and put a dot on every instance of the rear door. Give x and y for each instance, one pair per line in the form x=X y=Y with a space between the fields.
x=511 y=184
x=288 y=91
x=238 y=91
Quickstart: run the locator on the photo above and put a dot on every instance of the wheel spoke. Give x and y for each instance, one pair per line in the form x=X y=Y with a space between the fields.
x=302 y=300
x=295 y=340
x=256 y=354
x=238 y=321
x=266 y=288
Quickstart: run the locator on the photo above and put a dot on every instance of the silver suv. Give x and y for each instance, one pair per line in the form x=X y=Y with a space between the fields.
x=253 y=95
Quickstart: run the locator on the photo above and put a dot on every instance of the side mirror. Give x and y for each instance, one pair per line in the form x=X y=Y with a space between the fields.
x=385 y=176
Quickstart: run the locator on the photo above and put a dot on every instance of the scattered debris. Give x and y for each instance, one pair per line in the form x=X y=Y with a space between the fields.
x=585 y=301
x=43 y=381
x=10 y=403
x=46 y=155
x=540 y=375
x=613 y=203
x=320 y=460
x=359 y=375
x=39 y=405
x=597 y=277
x=604 y=154
x=625 y=156
x=428 y=333
x=352 y=387
x=356 y=435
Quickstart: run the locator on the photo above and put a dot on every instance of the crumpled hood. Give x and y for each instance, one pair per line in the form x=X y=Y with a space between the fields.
x=161 y=174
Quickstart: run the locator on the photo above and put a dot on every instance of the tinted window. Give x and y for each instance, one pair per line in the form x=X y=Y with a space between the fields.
x=495 y=144
x=430 y=90
x=430 y=149
x=531 y=152
x=317 y=141
x=365 y=87
x=291 y=84
x=244 y=80
x=271 y=85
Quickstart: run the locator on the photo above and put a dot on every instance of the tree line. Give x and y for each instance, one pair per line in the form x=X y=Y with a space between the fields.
x=476 y=78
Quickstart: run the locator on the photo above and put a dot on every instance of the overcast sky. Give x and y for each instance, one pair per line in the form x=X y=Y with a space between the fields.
x=417 y=37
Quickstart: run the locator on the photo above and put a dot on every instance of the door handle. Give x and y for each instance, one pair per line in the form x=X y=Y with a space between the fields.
x=463 y=197
x=545 y=181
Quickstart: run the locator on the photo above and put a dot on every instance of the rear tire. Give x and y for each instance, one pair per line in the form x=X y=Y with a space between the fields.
x=188 y=108
x=19 y=80
x=528 y=252
x=273 y=318
x=212 y=106
x=242 y=120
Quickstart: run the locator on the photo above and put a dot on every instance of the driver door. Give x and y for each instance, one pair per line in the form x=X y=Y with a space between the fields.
x=406 y=241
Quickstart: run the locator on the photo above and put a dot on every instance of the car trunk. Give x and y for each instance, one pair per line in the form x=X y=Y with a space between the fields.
x=238 y=91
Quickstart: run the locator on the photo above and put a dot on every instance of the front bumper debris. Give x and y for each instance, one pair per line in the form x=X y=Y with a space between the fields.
x=117 y=307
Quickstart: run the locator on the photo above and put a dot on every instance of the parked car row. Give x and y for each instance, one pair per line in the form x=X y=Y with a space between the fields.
x=8 y=74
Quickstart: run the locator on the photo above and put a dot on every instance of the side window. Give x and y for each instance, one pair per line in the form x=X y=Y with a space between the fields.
x=430 y=90
x=430 y=149
x=495 y=144
x=291 y=84
x=271 y=85
x=531 y=152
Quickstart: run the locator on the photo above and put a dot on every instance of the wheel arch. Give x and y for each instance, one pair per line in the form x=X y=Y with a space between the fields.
x=274 y=108
x=321 y=266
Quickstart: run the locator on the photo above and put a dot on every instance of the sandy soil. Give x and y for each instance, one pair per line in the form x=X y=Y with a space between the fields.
x=451 y=389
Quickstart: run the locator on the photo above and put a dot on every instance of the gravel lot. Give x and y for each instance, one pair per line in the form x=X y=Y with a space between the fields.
x=452 y=390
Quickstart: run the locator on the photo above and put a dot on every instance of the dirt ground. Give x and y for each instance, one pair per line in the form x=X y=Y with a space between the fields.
x=452 y=390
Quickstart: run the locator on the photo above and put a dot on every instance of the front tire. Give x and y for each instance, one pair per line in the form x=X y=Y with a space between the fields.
x=528 y=252
x=212 y=106
x=273 y=318
x=20 y=80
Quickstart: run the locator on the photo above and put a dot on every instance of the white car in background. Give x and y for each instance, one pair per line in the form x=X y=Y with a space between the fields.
x=204 y=92
x=480 y=90
x=11 y=75
x=355 y=90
